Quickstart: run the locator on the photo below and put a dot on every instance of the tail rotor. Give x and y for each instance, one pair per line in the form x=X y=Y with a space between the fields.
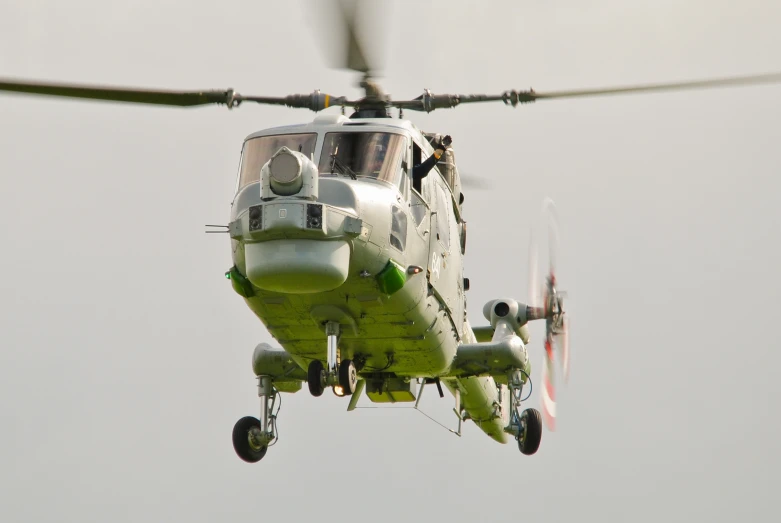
x=547 y=302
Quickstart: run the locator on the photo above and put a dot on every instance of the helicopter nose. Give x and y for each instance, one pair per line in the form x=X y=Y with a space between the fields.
x=297 y=266
x=296 y=246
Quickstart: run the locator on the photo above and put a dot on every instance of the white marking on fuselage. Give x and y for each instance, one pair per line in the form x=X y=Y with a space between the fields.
x=436 y=263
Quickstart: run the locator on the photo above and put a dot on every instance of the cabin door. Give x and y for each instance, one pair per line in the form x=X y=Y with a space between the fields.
x=445 y=265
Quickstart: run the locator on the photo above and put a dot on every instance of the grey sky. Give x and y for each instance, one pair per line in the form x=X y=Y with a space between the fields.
x=125 y=355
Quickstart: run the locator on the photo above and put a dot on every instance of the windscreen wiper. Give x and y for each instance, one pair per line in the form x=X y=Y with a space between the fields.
x=344 y=169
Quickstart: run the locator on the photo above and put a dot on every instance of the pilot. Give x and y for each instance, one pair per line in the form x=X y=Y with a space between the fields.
x=377 y=159
x=421 y=170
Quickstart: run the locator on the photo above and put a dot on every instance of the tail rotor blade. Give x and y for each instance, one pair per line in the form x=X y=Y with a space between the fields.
x=474 y=182
x=562 y=342
x=548 y=388
x=549 y=210
x=535 y=286
x=547 y=300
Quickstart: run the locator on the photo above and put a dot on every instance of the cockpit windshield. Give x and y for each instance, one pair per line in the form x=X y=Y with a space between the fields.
x=363 y=154
x=258 y=151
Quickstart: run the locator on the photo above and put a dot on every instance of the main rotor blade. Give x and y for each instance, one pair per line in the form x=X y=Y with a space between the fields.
x=355 y=58
x=339 y=20
x=650 y=88
x=315 y=101
x=429 y=101
x=115 y=94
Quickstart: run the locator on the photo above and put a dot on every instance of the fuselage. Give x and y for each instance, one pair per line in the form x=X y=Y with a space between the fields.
x=358 y=244
x=410 y=333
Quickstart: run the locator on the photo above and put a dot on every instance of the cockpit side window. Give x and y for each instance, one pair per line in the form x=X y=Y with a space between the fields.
x=363 y=155
x=258 y=151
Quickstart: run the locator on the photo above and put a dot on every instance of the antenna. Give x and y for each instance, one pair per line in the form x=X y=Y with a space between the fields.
x=217 y=227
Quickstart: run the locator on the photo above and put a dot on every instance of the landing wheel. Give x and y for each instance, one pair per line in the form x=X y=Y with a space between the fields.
x=243 y=442
x=348 y=377
x=529 y=439
x=315 y=377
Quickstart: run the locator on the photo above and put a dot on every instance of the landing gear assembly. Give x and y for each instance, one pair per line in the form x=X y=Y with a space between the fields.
x=531 y=431
x=253 y=437
x=342 y=376
x=526 y=426
x=248 y=440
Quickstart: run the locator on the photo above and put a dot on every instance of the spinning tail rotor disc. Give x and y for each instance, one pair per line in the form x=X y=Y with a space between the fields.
x=548 y=301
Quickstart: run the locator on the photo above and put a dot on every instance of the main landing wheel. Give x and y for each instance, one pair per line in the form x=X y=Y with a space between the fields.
x=529 y=439
x=315 y=377
x=348 y=377
x=243 y=442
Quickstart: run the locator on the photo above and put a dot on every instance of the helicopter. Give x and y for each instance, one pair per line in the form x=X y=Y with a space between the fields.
x=358 y=273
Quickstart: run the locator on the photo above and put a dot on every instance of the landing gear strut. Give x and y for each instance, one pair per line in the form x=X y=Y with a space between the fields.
x=253 y=437
x=337 y=374
x=526 y=426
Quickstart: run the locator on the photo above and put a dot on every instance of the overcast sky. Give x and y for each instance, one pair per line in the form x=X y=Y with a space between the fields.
x=125 y=355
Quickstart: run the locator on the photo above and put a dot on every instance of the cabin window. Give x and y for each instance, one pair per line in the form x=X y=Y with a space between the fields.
x=363 y=155
x=418 y=207
x=258 y=151
x=398 y=235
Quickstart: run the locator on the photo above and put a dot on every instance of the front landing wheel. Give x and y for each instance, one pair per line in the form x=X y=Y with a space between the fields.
x=530 y=436
x=243 y=442
x=315 y=378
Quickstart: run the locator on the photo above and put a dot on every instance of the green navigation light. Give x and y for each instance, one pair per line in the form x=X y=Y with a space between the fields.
x=392 y=277
x=240 y=283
